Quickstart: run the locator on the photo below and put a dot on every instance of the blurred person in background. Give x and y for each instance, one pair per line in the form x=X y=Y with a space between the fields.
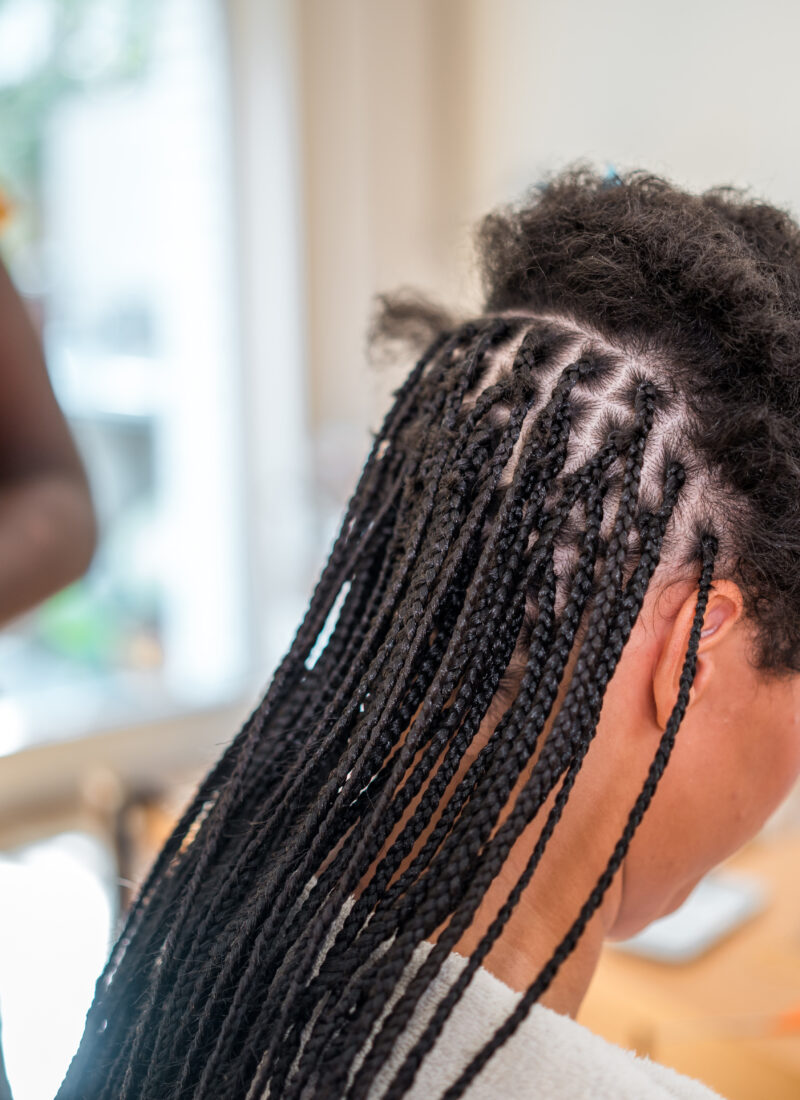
x=48 y=527
x=548 y=679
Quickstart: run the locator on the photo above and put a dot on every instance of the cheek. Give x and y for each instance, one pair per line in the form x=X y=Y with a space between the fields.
x=766 y=769
x=790 y=746
x=671 y=849
x=718 y=789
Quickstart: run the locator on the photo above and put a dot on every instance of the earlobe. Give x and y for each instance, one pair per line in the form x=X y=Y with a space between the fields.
x=725 y=607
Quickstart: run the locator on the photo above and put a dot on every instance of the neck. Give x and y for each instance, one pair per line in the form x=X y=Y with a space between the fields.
x=529 y=939
x=544 y=914
x=574 y=858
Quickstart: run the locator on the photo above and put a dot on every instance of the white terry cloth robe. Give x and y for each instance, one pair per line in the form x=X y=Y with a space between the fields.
x=549 y=1056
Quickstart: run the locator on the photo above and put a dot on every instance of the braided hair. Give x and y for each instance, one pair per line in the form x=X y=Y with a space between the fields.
x=539 y=465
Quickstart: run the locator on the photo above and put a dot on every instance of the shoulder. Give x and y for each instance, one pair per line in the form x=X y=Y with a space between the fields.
x=549 y=1056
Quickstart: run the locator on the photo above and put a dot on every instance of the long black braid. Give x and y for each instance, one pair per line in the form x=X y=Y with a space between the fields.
x=458 y=548
x=169 y=874
x=568 y=943
x=549 y=766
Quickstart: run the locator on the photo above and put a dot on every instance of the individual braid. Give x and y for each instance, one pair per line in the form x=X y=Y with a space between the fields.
x=493 y=332
x=106 y=1014
x=400 y=1014
x=443 y=585
x=414 y=901
x=646 y=566
x=709 y=546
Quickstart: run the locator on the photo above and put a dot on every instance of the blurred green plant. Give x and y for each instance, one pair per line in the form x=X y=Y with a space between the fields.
x=75 y=624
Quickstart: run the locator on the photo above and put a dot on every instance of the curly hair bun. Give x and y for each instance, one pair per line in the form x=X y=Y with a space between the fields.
x=710 y=282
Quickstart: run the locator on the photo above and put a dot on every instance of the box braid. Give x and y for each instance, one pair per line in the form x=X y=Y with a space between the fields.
x=555 y=757
x=412 y=1061
x=473 y=678
x=454 y=553
x=108 y=1011
x=375 y=928
x=451 y=500
x=570 y=940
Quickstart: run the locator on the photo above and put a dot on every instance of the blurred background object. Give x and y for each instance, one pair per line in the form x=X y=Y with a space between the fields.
x=199 y=200
x=113 y=149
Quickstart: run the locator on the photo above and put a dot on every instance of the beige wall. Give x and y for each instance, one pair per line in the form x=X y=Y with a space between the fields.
x=420 y=115
x=384 y=192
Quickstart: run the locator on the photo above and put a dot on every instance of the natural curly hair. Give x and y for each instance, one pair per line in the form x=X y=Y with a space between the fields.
x=711 y=282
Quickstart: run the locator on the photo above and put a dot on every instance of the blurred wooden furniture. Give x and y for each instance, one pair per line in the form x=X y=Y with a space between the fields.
x=702 y=1018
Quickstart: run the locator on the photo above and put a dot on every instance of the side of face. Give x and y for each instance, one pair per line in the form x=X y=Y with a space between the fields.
x=736 y=755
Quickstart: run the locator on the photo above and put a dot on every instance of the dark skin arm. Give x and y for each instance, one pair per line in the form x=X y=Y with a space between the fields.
x=48 y=526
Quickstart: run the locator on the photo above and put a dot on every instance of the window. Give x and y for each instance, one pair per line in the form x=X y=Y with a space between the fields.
x=116 y=211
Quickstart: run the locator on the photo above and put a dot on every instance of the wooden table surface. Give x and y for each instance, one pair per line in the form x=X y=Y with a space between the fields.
x=698 y=1017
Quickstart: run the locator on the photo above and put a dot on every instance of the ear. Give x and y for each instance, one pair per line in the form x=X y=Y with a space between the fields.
x=724 y=609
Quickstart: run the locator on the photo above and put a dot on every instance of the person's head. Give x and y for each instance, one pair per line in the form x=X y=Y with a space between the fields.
x=565 y=594
x=701 y=296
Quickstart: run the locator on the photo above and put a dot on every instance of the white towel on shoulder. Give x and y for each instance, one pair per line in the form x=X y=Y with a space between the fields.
x=549 y=1056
